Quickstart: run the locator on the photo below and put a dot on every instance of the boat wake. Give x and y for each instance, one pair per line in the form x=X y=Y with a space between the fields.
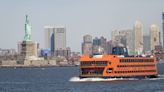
x=77 y=79
x=160 y=77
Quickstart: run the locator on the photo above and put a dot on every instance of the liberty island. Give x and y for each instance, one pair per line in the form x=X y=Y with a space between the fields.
x=28 y=55
x=28 y=52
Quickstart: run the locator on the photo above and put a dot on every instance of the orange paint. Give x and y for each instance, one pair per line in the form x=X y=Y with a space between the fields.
x=116 y=66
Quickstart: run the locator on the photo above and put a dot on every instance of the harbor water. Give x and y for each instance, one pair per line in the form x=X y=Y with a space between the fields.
x=65 y=79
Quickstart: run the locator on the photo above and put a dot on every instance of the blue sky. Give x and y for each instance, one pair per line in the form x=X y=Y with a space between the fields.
x=95 y=17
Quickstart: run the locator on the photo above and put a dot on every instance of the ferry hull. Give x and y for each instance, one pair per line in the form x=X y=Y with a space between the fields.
x=106 y=77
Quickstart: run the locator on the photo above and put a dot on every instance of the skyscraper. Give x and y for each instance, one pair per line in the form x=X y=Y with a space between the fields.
x=99 y=43
x=87 y=39
x=146 y=45
x=163 y=27
x=110 y=46
x=87 y=45
x=55 y=37
x=138 y=37
x=49 y=37
x=154 y=36
x=124 y=37
x=60 y=38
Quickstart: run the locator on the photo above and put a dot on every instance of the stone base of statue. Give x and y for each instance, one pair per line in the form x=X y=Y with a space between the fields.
x=28 y=50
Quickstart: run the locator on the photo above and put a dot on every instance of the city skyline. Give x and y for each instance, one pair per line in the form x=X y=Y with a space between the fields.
x=95 y=17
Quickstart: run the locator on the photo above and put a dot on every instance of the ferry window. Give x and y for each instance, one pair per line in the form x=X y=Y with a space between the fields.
x=100 y=63
x=144 y=60
x=134 y=60
x=147 y=60
x=128 y=60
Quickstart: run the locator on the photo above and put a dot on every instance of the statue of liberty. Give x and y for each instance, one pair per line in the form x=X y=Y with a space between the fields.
x=28 y=29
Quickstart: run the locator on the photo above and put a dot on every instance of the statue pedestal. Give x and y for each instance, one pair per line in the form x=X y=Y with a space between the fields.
x=28 y=49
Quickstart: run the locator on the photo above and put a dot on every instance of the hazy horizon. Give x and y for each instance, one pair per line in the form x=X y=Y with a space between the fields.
x=81 y=17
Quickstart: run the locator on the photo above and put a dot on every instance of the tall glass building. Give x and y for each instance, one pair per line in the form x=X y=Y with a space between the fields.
x=163 y=27
x=55 y=37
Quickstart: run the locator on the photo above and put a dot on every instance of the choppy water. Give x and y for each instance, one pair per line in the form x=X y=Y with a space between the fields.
x=64 y=79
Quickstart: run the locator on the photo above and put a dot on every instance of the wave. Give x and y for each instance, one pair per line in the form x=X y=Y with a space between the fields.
x=8 y=82
x=77 y=79
x=160 y=77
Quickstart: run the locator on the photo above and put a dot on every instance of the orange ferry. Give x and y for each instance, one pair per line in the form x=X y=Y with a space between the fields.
x=118 y=65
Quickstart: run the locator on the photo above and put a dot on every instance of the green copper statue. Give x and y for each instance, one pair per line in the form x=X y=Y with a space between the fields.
x=28 y=29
